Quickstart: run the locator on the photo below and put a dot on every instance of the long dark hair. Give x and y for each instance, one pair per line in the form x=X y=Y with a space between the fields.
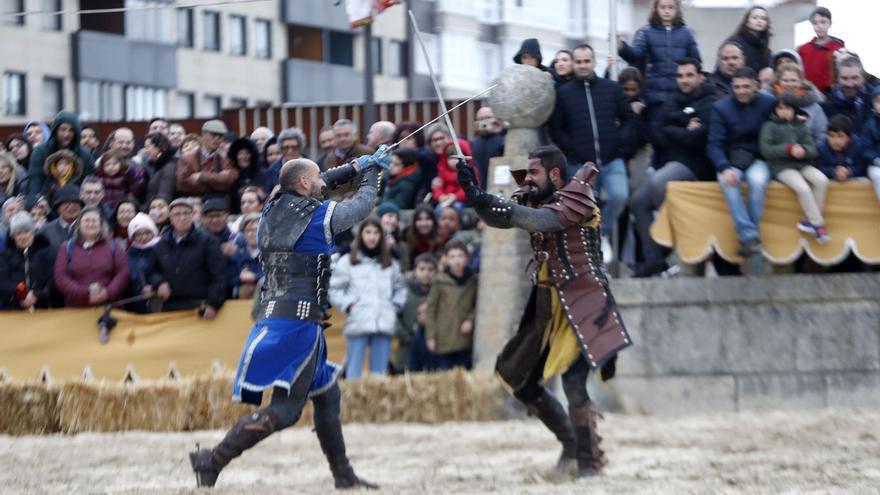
x=166 y=149
x=412 y=234
x=763 y=36
x=358 y=243
x=655 y=21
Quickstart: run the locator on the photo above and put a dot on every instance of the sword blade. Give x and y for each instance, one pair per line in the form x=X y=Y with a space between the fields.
x=435 y=119
x=418 y=34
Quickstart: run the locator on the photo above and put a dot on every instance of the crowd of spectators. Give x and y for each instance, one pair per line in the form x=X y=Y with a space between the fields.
x=168 y=220
x=803 y=117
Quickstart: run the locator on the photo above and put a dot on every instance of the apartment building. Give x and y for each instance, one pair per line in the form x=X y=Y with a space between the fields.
x=140 y=59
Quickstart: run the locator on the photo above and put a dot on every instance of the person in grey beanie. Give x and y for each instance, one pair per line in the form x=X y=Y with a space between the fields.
x=25 y=266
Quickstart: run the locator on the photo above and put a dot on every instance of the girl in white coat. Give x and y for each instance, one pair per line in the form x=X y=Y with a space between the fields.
x=368 y=286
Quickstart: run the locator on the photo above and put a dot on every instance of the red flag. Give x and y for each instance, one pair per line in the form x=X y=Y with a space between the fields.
x=361 y=12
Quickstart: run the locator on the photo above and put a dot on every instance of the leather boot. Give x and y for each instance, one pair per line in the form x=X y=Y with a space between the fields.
x=207 y=463
x=553 y=415
x=329 y=431
x=590 y=458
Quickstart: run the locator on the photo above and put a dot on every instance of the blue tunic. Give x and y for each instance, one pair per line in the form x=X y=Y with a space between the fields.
x=278 y=349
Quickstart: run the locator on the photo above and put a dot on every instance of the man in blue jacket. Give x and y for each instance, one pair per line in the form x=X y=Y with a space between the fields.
x=733 y=148
x=591 y=121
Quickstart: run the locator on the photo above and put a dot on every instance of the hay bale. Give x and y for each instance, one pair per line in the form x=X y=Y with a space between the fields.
x=425 y=398
x=163 y=405
x=212 y=405
x=91 y=406
x=28 y=408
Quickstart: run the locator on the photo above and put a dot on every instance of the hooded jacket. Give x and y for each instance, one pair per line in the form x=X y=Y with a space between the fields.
x=53 y=181
x=36 y=174
x=674 y=142
x=808 y=99
x=449 y=305
x=778 y=137
x=658 y=48
x=533 y=48
x=449 y=175
x=251 y=175
x=571 y=125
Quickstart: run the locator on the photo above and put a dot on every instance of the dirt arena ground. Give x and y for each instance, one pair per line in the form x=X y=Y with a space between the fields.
x=825 y=451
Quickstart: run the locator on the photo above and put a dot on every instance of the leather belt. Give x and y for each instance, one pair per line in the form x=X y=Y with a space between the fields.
x=299 y=310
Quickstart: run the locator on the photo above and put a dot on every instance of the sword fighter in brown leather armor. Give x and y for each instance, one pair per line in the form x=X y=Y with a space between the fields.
x=571 y=323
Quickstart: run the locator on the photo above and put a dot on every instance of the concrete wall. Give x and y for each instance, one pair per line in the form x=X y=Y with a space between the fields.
x=731 y=344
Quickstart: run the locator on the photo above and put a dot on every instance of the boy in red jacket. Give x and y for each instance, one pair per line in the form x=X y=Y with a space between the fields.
x=818 y=53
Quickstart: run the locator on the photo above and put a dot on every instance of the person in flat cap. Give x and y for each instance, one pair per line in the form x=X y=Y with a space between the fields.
x=67 y=205
x=187 y=269
x=215 y=218
x=207 y=171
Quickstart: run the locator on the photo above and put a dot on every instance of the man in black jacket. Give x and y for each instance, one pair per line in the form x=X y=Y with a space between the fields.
x=679 y=136
x=591 y=121
x=730 y=58
x=187 y=268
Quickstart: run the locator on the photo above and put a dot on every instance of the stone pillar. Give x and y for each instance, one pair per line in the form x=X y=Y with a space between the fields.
x=523 y=99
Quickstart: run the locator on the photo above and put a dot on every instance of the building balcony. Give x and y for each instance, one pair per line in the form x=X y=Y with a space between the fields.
x=115 y=58
x=311 y=82
x=315 y=13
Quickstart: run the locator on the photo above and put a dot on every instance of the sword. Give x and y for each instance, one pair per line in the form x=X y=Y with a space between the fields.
x=418 y=34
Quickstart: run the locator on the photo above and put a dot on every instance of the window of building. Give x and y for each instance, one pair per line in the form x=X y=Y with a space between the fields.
x=53 y=96
x=305 y=43
x=263 y=38
x=377 y=55
x=51 y=22
x=100 y=101
x=184 y=105
x=433 y=48
x=341 y=48
x=211 y=105
x=144 y=103
x=397 y=58
x=185 y=28
x=149 y=20
x=238 y=102
x=211 y=31
x=12 y=6
x=237 y=35
x=14 y=93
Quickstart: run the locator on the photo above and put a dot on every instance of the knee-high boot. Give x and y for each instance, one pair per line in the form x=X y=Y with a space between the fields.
x=548 y=409
x=590 y=457
x=247 y=432
x=328 y=428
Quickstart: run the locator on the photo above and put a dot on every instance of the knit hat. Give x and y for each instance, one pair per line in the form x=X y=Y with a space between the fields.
x=387 y=207
x=67 y=193
x=141 y=221
x=21 y=221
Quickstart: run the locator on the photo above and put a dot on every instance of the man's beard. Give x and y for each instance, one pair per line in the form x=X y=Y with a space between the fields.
x=317 y=192
x=539 y=195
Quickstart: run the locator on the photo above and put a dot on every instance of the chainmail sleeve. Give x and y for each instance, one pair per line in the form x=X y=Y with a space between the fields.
x=346 y=214
x=505 y=214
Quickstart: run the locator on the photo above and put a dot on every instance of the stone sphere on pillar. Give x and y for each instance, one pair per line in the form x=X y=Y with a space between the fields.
x=523 y=98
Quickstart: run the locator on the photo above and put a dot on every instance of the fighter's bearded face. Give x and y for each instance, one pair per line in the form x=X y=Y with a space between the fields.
x=316 y=184
x=537 y=182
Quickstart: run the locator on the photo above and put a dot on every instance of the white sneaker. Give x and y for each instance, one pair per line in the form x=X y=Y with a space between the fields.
x=607 y=251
